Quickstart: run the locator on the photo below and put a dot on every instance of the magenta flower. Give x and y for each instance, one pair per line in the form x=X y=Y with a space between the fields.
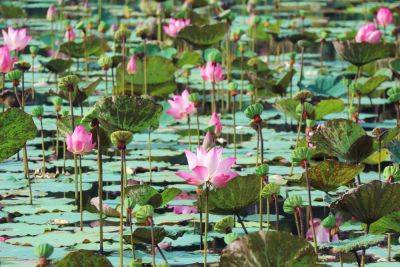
x=322 y=234
x=181 y=106
x=131 y=68
x=184 y=209
x=216 y=122
x=368 y=33
x=384 y=17
x=175 y=26
x=6 y=62
x=80 y=141
x=212 y=72
x=51 y=13
x=208 y=167
x=70 y=34
x=16 y=39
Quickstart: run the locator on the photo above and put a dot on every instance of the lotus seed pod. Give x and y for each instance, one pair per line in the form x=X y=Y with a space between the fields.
x=142 y=213
x=270 y=189
x=22 y=66
x=329 y=222
x=213 y=55
x=394 y=94
x=392 y=173
x=262 y=170
x=229 y=238
x=253 y=110
x=309 y=110
x=34 y=50
x=121 y=138
x=301 y=154
x=44 y=250
x=225 y=225
x=303 y=95
x=105 y=62
x=136 y=263
x=122 y=34
x=38 y=111
x=291 y=203
x=68 y=83
x=14 y=75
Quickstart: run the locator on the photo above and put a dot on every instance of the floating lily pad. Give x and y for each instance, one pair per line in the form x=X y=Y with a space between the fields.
x=269 y=249
x=93 y=45
x=354 y=244
x=204 y=35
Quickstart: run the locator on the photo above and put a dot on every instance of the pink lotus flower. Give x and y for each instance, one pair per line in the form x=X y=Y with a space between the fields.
x=322 y=234
x=80 y=141
x=175 y=26
x=6 y=62
x=70 y=34
x=184 y=209
x=384 y=17
x=51 y=13
x=212 y=72
x=16 y=39
x=131 y=68
x=208 y=167
x=106 y=208
x=368 y=33
x=208 y=141
x=181 y=106
x=216 y=122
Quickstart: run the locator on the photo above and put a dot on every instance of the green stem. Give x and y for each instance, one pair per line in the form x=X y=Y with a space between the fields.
x=190 y=135
x=213 y=96
x=100 y=188
x=149 y=151
x=145 y=67
x=260 y=204
x=64 y=155
x=43 y=154
x=153 y=251
x=131 y=229
x=57 y=136
x=205 y=244
x=75 y=158
x=121 y=215
x=26 y=172
x=268 y=212
x=389 y=246
x=33 y=77
x=234 y=125
x=379 y=157
x=198 y=128
x=80 y=193
x=310 y=208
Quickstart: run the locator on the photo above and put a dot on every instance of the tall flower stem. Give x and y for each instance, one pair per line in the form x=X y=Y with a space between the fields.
x=145 y=67
x=241 y=81
x=260 y=204
x=123 y=64
x=310 y=207
x=64 y=155
x=121 y=215
x=205 y=244
x=198 y=128
x=379 y=156
x=276 y=211
x=80 y=193
x=131 y=229
x=213 y=100
x=43 y=154
x=106 y=76
x=149 y=152
x=3 y=87
x=57 y=135
x=201 y=219
x=234 y=125
x=33 y=77
x=189 y=131
x=71 y=108
x=100 y=188
x=296 y=218
x=153 y=250
x=268 y=212
x=363 y=258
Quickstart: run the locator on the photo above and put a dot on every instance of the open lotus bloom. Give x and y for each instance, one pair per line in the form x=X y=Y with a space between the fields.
x=16 y=39
x=212 y=72
x=368 y=33
x=181 y=106
x=322 y=234
x=175 y=26
x=216 y=122
x=384 y=17
x=208 y=167
x=80 y=141
x=6 y=62
x=184 y=209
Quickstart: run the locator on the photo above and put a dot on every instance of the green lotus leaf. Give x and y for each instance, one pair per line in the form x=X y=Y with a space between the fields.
x=95 y=46
x=395 y=67
x=205 y=35
x=268 y=249
x=16 y=128
x=64 y=124
x=225 y=224
x=328 y=175
x=387 y=224
x=259 y=33
x=169 y=194
x=354 y=244
x=12 y=12
x=366 y=86
x=126 y=113
x=328 y=106
x=370 y=202
x=287 y=106
x=143 y=195
x=239 y=193
x=360 y=54
x=344 y=139
x=57 y=65
x=143 y=235
x=329 y=85
x=79 y=96
x=377 y=157
x=188 y=58
x=82 y=258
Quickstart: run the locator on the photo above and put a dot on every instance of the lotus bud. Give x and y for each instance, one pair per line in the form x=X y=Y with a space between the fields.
x=308 y=111
x=131 y=68
x=22 y=65
x=121 y=138
x=301 y=155
x=14 y=76
x=51 y=13
x=262 y=170
x=214 y=55
x=34 y=50
x=303 y=95
x=105 y=62
x=225 y=225
x=394 y=94
x=143 y=213
x=329 y=222
x=122 y=34
x=270 y=190
x=195 y=98
x=292 y=203
x=43 y=252
x=229 y=238
x=102 y=28
x=38 y=112
x=253 y=112
x=57 y=102
x=136 y=263
x=232 y=87
x=69 y=83
x=209 y=139
x=392 y=173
